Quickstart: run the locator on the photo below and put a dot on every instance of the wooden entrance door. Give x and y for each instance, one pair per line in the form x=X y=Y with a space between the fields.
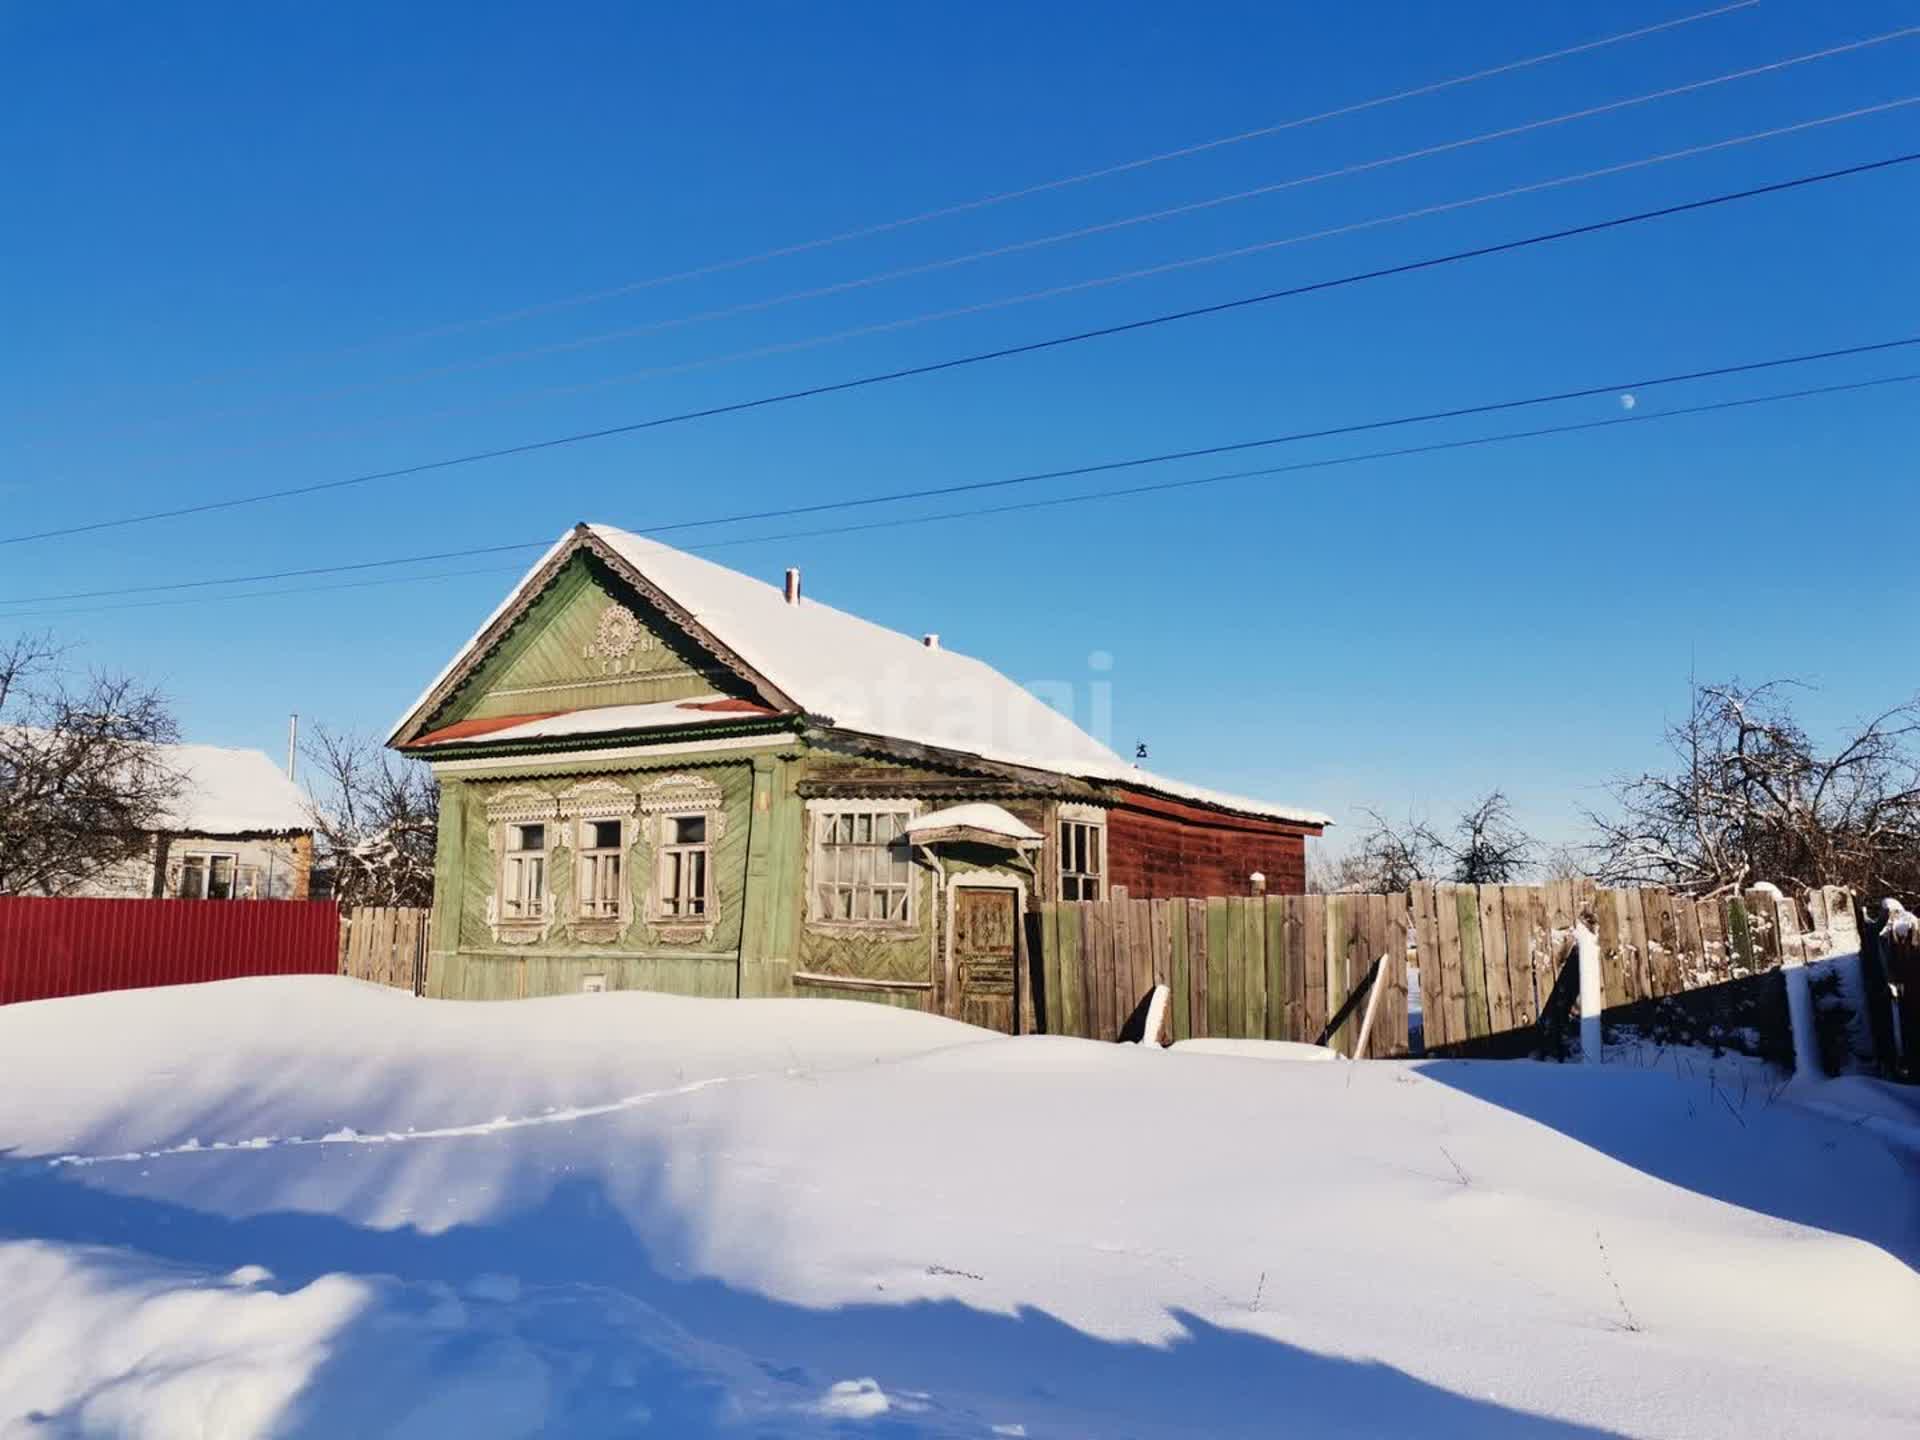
x=985 y=944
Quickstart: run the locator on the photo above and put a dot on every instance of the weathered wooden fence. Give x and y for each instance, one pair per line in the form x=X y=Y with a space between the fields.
x=386 y=944
x=54 y=947
x=1490 y=958
x=1276 y=967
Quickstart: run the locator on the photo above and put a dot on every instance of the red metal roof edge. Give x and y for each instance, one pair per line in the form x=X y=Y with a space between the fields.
x=468 y=729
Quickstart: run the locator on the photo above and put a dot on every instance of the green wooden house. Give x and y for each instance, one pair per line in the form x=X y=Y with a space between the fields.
x=658 y=773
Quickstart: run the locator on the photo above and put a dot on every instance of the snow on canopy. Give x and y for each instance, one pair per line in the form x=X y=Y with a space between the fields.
x=976 y=815
x=865 y=678
x=234 y=792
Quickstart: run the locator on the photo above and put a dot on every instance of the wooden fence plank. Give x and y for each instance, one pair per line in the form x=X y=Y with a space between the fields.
x=1253 y=1022
x=1393 y=1042
x=1633 y=931
x=1180 y=971
x=1120 y=916
x=1236 y=967
x=1687 y=958
x=1517 y=921
x=1274 y=934
x=1450 y=989
x=1313 y=925
x=1433 y=1021
x=1663 y=941
x=1473 y=964
x=1219 y=1011
x=1493 y=949
x=1763 y=924
x=1161 y=947
x=1297 y=964
x=1201 y=964
x=1073 y=972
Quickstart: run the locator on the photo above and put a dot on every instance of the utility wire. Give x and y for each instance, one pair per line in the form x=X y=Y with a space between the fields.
x=1458 y=412
x=1156 y=487
x=963 y=207
x=751 y=307
x=525 y=394
x=981 y=357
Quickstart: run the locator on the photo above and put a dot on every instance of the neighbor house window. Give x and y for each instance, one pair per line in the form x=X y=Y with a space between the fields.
x=207 y=877
x=862 y=867
x=682 y=892
x=523 y=877
x=601 y=852
x=1083 y=857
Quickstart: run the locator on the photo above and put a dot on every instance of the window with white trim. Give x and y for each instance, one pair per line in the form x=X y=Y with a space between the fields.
x=207 y=876
x=681 y=891
x=602 y=866
x=862 y=866
x=1083 y=859
x=523 y=873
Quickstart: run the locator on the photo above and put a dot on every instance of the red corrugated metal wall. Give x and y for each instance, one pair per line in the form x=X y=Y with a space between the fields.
x=75 y=947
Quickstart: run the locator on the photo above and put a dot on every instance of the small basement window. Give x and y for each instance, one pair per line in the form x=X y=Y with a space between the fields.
x=523 y=875
x=682 y=892
x=862 y=869
x=1083 y=859
x=602 y=849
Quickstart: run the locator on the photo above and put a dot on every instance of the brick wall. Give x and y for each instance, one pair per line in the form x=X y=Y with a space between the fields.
x=1159 y=849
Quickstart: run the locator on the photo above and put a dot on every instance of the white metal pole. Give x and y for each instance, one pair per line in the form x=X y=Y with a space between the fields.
x=1592 y=995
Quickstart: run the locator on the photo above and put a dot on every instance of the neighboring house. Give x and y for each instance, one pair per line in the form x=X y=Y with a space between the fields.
x=658 y=773
x=241 y=830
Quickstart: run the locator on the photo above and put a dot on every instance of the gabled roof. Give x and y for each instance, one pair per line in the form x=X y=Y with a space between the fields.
x=810 y=659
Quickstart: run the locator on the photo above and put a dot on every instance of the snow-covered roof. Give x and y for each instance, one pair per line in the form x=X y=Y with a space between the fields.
x=234 y=792
x=864 y=678
x=976 y=815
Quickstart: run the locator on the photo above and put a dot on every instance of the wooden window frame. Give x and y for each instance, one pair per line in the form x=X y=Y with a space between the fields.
x=667 y=852
x=824 y=817
x=1093 y=826
x=591 y=866
x=513 y=861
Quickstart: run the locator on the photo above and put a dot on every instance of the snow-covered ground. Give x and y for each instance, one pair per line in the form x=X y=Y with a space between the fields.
x=303 y=1206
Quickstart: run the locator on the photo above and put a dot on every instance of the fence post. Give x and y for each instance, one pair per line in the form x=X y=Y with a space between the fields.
x=1592 y=992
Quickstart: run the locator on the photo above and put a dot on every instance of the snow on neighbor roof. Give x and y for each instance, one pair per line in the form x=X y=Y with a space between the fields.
x=865 y=678
x=976 y=815
x=234 y=792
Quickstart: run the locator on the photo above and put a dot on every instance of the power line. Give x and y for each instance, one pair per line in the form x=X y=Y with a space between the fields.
x=1156 y=487
x=1042 y=187
x=817 y=292
x=1458 y=412
x=981 y=357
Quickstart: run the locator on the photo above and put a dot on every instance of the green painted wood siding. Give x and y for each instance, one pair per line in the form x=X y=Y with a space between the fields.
x=543 y=663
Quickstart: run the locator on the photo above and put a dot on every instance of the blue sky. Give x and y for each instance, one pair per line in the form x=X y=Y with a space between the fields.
x=227 y=226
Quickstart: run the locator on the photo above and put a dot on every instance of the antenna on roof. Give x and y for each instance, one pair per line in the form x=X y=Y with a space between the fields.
x=293 y=741
x=793 y=585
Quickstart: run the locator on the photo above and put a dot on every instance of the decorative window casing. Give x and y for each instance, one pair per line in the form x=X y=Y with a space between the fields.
x=682 y=884
x=599 y=817
x=600 y=892
x=522 y=828
x=1082 y=855
x=860 y=867
x=523 y=874
x=685 y=816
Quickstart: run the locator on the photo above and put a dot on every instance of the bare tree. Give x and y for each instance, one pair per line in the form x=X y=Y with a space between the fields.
x=1488 y=848
x=84 y=779
x=1752 y=798
x=376 y=819
x=1485 y=847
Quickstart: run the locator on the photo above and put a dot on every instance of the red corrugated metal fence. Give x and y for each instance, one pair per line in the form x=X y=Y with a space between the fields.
x=75 y=947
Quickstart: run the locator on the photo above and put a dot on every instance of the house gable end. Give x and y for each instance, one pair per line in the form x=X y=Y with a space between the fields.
x=579 y=636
